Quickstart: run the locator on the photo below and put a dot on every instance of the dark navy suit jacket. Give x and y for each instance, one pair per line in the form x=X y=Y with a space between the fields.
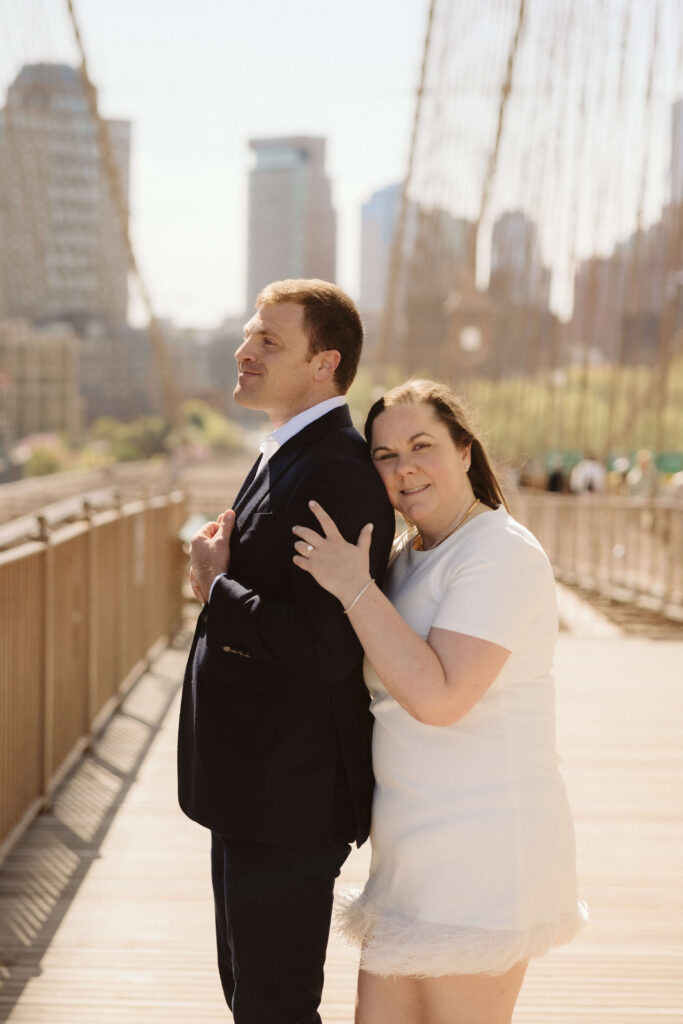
x=274 y=721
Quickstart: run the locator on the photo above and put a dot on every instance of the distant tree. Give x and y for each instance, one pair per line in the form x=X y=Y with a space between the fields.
x=43 y=461
x=202 y=426
x=141 y=439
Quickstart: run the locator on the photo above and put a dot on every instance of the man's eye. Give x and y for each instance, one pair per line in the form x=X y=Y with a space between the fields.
x=268 y=341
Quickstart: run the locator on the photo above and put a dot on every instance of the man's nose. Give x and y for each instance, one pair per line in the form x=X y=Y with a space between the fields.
x=244 y=352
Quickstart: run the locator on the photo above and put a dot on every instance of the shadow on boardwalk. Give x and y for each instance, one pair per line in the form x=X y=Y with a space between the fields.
x=43 y=873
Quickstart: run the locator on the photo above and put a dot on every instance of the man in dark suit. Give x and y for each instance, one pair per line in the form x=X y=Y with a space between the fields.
x=274 y=741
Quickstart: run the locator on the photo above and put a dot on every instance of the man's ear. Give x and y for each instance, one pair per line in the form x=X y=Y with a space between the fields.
x=326 y=364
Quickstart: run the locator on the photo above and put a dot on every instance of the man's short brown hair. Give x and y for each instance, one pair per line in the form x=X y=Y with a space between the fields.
x=330 y=320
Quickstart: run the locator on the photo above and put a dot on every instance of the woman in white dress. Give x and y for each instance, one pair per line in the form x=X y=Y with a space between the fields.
x=473 y=864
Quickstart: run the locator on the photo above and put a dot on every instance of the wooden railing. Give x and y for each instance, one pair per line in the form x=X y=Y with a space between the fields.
x=80 y=610
x=627 y=548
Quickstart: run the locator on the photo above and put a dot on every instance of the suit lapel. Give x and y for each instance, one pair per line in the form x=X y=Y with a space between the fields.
x=256 y=486
x=246 y=484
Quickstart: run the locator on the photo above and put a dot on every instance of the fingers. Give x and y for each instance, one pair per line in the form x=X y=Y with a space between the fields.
x=365 y=538
x=310 y=536
x=226 y=523
x=303 y=548
x=327 y=522
x=210 y=531
x=303 y=563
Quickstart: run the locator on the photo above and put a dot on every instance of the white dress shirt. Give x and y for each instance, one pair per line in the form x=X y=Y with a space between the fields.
x=277 y=438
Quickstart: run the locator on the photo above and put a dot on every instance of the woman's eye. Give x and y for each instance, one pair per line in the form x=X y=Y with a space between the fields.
x=384 y=457
x=420 y=444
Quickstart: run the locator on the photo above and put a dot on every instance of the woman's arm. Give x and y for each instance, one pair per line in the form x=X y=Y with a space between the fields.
x=437 y=681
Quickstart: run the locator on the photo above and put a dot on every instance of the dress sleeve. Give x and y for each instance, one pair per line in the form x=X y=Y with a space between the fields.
x=496 y=591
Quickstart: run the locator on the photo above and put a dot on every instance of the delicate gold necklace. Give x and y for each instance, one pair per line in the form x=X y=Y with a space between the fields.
x=419 y=543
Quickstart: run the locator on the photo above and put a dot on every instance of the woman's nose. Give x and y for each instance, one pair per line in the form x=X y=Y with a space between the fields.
x=405 y=464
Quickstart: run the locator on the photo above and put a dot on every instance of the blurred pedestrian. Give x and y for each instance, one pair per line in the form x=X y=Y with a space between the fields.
x=642 y=481
x=588 y=475
x=555 y=481
x=674 y=488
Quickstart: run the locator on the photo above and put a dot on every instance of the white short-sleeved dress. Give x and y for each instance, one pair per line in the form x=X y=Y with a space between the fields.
x=473 y=861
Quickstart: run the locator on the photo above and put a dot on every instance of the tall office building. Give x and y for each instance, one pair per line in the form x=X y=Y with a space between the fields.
x=61 y=248
x=292 y=224
x=378 y=223
x=677 y=152
x=518 y=275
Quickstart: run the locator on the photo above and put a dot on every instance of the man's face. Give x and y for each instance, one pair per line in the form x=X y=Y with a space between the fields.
x=275 y=372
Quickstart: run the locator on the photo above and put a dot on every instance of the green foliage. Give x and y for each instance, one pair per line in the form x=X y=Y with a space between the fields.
x=45 y=460
x=601 y=409
x=141 y=439
x=200 y=430
x=202 y=425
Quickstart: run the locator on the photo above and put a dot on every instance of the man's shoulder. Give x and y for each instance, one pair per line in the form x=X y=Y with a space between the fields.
x=342 y=450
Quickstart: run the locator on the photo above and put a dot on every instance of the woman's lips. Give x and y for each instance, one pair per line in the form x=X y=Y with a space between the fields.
x=415 y=490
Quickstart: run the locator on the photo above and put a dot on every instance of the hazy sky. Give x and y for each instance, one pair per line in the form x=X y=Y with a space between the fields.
x=198 y=79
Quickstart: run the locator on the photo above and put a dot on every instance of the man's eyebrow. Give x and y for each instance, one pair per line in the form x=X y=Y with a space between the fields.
x=384 y=447
x=260 y=330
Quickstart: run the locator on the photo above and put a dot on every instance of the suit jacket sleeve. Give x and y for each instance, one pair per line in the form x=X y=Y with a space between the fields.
x=307 y=635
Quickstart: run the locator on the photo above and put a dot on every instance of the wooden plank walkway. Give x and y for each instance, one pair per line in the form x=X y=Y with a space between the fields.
x=105 y=907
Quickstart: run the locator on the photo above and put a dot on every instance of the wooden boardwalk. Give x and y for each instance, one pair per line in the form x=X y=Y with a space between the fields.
x=105 y=906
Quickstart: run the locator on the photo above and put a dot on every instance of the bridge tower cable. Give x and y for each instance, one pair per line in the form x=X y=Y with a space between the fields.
x=388 y=311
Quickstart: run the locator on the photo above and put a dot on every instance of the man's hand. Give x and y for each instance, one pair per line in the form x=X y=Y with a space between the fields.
x=210 y=554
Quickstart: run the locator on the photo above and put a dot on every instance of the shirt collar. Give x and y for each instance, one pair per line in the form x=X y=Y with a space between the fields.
x=277 y=438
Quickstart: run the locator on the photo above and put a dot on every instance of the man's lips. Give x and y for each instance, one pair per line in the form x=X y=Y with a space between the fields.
x=415 y=490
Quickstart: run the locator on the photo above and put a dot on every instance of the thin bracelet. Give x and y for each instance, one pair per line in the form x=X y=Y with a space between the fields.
x=358 y=596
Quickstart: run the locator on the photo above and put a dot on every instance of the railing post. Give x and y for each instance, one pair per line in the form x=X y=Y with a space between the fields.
x=122 y=601
x=92 y=624
x=48 y=657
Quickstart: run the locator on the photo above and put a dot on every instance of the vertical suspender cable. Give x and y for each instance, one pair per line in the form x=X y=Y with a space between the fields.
x=388 y=311
x=168 y=390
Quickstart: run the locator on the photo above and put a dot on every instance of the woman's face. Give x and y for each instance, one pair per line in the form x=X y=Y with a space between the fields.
x=423 y=471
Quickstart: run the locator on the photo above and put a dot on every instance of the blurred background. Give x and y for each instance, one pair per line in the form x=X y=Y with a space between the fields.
x=498 y=186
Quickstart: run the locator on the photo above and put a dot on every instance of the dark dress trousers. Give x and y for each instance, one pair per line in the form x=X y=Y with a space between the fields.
x=274 y=741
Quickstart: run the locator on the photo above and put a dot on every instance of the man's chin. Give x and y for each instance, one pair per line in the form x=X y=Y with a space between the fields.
x=242 y=397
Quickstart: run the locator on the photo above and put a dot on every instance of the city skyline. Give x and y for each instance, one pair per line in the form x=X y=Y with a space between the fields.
x=197 y=84
x=195 y=98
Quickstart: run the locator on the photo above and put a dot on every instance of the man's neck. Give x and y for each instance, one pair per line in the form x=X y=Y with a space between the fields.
x=279 y=418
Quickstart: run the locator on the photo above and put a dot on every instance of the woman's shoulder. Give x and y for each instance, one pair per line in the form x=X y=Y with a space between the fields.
x=499 y=525
x=496 y=538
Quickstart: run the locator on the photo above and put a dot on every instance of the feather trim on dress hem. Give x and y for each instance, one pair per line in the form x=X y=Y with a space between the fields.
x=393 y=944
